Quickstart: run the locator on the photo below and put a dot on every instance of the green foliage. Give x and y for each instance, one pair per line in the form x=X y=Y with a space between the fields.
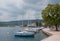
x=25 y=25
x=38 y=23
x=51 y=14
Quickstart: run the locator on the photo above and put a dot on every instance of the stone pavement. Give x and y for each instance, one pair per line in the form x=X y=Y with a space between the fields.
x=55 y=35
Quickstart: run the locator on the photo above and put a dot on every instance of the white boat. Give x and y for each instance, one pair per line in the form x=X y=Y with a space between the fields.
x=31 y=30
x=24 y=34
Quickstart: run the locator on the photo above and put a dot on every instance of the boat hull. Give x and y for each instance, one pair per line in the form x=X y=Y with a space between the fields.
x=24 y=35
x=29 y=34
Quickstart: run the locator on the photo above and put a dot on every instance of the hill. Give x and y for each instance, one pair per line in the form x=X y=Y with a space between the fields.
x=17 y=23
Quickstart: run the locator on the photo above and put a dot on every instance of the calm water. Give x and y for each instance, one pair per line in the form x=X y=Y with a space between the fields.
x=7 y=34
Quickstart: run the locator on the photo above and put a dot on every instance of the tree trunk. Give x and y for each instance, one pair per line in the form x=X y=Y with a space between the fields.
x=56 y=28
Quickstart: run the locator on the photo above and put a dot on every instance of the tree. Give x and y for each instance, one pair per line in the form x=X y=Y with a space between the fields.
x=51 y=15
x=38 y=23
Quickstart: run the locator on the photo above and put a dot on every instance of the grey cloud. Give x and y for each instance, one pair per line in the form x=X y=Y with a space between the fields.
x=53 y=1
x=32 y=1
x=34 y=5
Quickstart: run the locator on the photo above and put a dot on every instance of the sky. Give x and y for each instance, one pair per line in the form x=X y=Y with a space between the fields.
x=11 y=10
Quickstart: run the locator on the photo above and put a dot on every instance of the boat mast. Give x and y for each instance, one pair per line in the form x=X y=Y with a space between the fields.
x=22 y=20
x=28 y=20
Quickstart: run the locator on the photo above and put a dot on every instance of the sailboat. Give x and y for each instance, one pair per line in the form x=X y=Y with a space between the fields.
x=24 y=33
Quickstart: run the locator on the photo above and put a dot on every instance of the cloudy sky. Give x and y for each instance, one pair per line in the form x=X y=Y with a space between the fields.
x=11 y=10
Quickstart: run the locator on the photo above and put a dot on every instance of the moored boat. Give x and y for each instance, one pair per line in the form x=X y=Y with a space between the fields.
x=31 y=26
x=24 y=34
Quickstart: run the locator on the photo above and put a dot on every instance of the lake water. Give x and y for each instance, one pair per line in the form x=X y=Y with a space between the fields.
x=7 y=34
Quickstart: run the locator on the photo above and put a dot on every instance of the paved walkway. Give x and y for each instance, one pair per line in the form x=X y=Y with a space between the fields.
x=55 y=35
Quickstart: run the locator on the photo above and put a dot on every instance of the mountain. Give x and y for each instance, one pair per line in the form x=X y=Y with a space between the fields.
x=13 y=23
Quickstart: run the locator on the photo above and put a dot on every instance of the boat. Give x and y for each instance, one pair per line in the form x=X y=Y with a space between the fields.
x=31 y=26
x=30 y=30
x=24 y=34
